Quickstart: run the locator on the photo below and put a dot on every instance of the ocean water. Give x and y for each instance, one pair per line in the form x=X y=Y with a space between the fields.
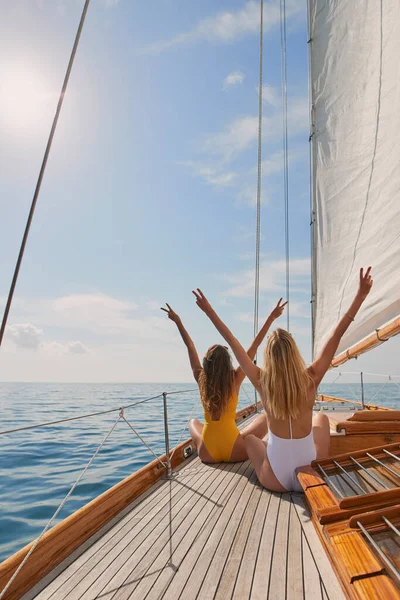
x=38 y=466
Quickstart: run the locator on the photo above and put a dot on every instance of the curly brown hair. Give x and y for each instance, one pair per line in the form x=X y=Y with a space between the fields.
x=216 y=381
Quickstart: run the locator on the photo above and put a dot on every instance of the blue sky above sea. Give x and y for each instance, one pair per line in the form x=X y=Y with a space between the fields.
x=151 y=184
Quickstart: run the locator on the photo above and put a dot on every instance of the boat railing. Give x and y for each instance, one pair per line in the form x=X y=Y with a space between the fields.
x=355 y=382
x=121 y=416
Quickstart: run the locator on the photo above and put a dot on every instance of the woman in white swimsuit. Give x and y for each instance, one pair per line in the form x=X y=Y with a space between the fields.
x=287 y=389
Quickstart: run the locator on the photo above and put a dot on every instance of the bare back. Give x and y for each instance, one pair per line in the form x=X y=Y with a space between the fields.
x=301 y=427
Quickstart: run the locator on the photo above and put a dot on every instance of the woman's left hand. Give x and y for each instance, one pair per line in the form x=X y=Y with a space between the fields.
x=278 y=310
x=202 y=301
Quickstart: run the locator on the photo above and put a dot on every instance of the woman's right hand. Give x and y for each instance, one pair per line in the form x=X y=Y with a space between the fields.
x=171 y=314
x=365 y=283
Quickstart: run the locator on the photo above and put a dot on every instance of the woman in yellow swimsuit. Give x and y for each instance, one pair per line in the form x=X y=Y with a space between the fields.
x=218 y=439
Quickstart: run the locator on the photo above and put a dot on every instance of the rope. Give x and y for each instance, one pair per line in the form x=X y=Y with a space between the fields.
x=103 y=412
x=42 y=171
x=259 y=173
x=142 y=440
x=35 y=544
x=285 y=151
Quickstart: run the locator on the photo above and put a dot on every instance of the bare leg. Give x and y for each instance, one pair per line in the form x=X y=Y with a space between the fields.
x=256 y=450
x=259 y=427
x=322 y=435
x=196 y=431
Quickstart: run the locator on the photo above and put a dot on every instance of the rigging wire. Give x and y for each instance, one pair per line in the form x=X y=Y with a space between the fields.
x=259 y=173
x=285 y=154
x=42 y=171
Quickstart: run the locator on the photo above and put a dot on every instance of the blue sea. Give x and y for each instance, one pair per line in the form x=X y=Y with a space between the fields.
x=38 y=466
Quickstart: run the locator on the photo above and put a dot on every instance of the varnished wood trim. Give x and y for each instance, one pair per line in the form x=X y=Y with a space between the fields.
x=371 y=341
x=308 y=477
x=375 y=517
x=375 y=415
x=333 y=515
x=368 y=427
x=392 y=495
x=342 y=458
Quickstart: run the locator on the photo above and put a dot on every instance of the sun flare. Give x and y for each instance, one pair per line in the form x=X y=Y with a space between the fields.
x=25 y=99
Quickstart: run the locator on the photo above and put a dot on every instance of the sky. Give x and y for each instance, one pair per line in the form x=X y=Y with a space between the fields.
x=150 y=188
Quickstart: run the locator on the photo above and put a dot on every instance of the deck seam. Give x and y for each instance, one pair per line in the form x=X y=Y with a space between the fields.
x=233 y=541
x=217 y=546
x=205 y=542
x=187 y=494
x=259 y=544
x=199 y=533
x=273 y=546
x=159 y=515
x=124 y=520
x=245 y=545
x=229 y=469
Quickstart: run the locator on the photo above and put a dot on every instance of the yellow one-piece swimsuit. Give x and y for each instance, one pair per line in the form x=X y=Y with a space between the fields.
x=220 y=436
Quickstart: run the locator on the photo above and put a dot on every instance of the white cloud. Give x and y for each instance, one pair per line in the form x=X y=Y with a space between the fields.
x=96 y=312
x=215 y=175
x=234 y=139
x=233 y=79
x=153 y=305
x=272 y=278
x=227 y=26
x=270 y=95
x=241 y=134
x=25 y=335
x=77 y=348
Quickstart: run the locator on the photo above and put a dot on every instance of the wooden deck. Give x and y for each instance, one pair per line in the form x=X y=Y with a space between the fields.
x=210 y=532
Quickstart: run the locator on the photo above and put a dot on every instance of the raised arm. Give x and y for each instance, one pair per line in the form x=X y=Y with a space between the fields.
x=191 y=348
x=250 y=369
x=322 y=363
x=258 y=340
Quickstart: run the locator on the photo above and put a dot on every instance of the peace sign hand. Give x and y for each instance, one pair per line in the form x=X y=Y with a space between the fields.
x=202 y=301
x=365 y=283
x=171 y=314
x=278 y=310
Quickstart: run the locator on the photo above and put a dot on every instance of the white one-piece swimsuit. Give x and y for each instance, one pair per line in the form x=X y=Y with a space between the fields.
x=285 y=455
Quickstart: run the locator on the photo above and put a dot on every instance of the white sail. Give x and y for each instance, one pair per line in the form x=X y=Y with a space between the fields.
x=355 y=94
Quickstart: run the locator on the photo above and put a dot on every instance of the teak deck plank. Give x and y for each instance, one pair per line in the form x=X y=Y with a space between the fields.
x=93 y=573
x=330 y=581
x=244 y=581
x=205 y=577
x=138 y=573
x=227 y=581
x=230 y=539
x=133 y=523
x=262 y=567
x=277 y=580
x=312 y=583
x=203 y=519
x=294 y=587
x=182 y=536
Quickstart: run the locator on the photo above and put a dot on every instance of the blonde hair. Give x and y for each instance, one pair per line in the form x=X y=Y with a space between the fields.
x=285 y=381
x=216 y=381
